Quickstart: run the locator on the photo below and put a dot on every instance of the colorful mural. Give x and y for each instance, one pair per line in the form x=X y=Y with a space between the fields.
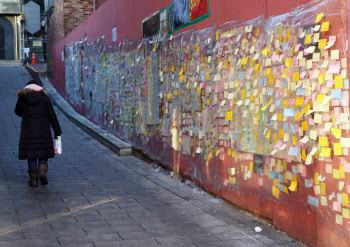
x=259 y=108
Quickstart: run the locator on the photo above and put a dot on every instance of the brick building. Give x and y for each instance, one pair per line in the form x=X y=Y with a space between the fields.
x=68 y=14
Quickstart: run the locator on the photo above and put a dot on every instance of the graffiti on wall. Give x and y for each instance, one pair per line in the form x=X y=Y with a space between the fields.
x=260 y=108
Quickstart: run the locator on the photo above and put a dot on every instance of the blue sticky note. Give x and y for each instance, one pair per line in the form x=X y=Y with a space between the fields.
x=280 y=187
x=285 y=46
x=285 y=126
x=312 y=201
x=292 y=128
x=289 y=112
x=271 y=122
x=273 y=175
x=172 y=76
x=301 y=91
x=202 y=77
x=284 y=83
x=278 y=102
x=340 y=198
x=177 y=85
x=336 y=93
x=294 y=168
x=240 y=76
x=270 y=92
x=261 y=82
x=307 y=183
x=293 y=151
x=281 y=178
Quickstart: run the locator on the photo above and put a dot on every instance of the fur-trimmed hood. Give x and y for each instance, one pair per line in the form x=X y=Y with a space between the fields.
x=31 y=94
x=27 y=90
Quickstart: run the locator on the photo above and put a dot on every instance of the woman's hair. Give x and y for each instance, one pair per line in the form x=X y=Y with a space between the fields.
x=35 y=82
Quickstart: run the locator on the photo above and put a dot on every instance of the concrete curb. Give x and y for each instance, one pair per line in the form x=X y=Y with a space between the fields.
x=115 y=144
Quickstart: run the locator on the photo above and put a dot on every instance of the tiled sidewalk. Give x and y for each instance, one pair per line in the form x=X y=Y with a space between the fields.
x=97 y=198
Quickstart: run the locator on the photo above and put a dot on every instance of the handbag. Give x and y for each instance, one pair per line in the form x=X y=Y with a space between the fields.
x=58 y=146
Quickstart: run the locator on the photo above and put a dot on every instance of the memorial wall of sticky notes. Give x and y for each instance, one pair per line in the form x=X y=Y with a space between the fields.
x=251 y=107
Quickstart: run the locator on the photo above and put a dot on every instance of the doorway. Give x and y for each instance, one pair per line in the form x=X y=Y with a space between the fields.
x=7 y=44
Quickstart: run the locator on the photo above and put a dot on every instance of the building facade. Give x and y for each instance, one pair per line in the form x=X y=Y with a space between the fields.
x=11 y=30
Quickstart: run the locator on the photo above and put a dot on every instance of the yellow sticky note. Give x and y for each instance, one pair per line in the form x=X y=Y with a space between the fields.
x=295 y=140
x=293 y=185
x=199 y=90
x=336 y=174
x=325 y=26
x=257 y=67
x=296 y=76
x=244 y=60
x=268 y=71
x=323 y=141
x=268 y=134
x=181 y=71
x=285 y=103
x=320 y=98
x=207 y=77
x=325 y=152
x=307 y=39
x=217 y=152
x=338 y=219
x=345 y=212
x=271 y=78
x=208 y=101
x=345 y=200
x=322 y=43
x=336 y=132
x=299 y=101
x=304 y=125
x=323 y=188
x=338 y=81
x=265 y=51
x=319 y=17
x=228 y=115
x=289 y=62
x=275 y=192
x=338 y=149
x=217 y=35
x=182 y=77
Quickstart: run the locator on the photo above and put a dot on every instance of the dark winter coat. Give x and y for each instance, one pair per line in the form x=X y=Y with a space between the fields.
x=37 y=114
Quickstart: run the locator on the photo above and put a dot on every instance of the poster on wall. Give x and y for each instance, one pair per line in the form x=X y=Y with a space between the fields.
x=188 y=12
x=198 y=8
x=150 y=25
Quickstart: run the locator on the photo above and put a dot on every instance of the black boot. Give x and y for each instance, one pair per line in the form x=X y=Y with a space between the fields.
x=42 y=174
x=33 y=178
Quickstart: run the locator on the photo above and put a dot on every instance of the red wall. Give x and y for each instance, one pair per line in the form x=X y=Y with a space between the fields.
x=127 y=18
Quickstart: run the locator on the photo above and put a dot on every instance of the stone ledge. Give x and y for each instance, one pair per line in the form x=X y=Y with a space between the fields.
x=115 y=144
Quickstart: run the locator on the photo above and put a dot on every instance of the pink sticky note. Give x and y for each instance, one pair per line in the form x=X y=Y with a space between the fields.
x=231 y=102
x=347 y=167
x=260 y=181
x=332 y=38
x=337 y=111
x=226 y=182
x=334 y=69
x=324 y=90
x=303 y=171
x=311 y=121
x=292 y=101
x=337 y=206
x=275 y=58
x=241 y=83
x=347 y=188
x=335 y=102
x=326 y=54
x=297 y=47
x=321 y=131
x=288 y=159
x=329 y=83
x=278 y=144
x=303 y=74
x=326 y=117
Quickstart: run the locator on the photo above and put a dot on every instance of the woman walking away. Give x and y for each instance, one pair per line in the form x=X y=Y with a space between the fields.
x=36 y=145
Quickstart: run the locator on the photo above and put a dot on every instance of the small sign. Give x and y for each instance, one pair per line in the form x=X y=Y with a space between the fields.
x=37 y=43
x=114 y=34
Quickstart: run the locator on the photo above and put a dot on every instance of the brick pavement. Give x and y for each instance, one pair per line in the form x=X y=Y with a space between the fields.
x=97 y=198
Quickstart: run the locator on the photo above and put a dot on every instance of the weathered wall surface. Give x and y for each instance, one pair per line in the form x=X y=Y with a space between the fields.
x=254 y=110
